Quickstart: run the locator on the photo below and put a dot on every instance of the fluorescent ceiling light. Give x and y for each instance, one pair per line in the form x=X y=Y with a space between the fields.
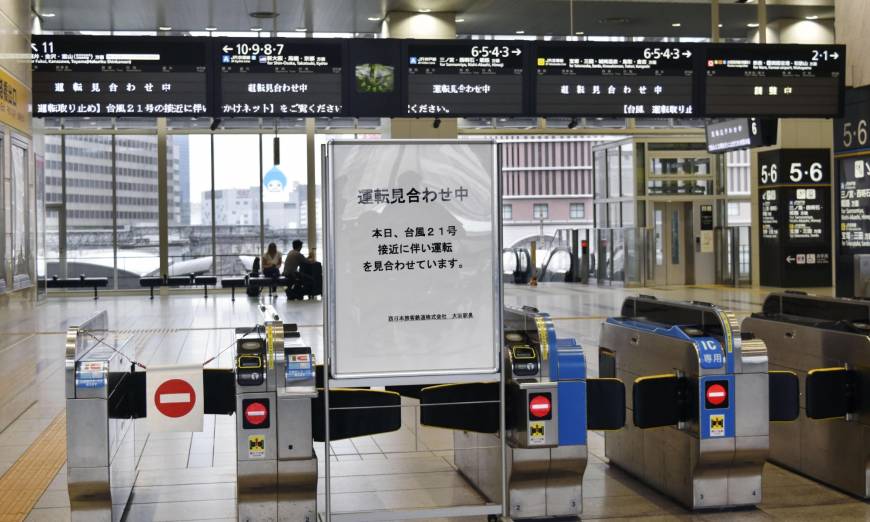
x=521 y=32
x=374 y=19
x=257 y=29
x=676 y=24
x=301 y=29
x=48 y=15
x=752 y=25
x=813 y=17
x=460 y=20
x=164 y=28
x=211 y=28
x=579 y=33
x=425 y=10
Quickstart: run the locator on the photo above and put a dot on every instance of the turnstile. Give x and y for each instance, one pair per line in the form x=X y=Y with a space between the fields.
x=826 y=342
x=100 y=443
x=550 y=404
x=700 y=403
x=271 y=389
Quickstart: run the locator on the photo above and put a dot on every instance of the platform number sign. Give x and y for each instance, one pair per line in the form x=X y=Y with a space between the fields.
x=795 y=217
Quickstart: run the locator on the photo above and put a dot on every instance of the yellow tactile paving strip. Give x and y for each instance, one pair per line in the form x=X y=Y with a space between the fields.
x=25 y=482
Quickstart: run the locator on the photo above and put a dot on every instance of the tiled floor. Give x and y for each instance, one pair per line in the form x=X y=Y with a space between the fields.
x=192 y=476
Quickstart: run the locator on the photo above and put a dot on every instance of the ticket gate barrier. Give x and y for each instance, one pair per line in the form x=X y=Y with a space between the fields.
x=826 y=342
x=701 y=401
x=100 y=443
x=271 y=389
x=550 y=405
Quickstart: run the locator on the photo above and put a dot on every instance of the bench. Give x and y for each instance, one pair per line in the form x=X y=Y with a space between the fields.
x=78 y=282
x=175 y=281
x=260 y=282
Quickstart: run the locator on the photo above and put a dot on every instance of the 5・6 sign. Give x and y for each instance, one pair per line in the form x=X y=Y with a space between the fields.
x=795 y=166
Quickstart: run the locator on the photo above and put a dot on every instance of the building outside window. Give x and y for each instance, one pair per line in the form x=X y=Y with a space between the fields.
x=541 y=211
x=507 y=212
x=577 y=211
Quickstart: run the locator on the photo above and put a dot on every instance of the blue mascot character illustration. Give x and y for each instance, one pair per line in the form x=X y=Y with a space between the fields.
x=274 y=180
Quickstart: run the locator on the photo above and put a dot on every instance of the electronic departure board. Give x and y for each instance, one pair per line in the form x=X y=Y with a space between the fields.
x=119 y=76
x=774 y=80
x=622 y=79
x=465 y=78
x=279 y=77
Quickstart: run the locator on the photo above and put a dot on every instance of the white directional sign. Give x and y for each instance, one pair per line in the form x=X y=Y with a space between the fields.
x=175 y=399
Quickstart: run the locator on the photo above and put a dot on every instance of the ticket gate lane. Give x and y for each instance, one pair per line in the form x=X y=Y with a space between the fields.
x=825 y=342
x=699 y=401
x=546 y=415
x=271 y=390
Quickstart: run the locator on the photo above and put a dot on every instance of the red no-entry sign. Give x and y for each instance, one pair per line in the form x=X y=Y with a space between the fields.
x=256 y=413
x=716 y=394
x=175 y=398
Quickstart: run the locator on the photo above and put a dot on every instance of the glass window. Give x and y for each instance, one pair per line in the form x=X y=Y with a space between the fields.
x=541 y=211
x=577 y=211
x=237 y=186
x=613 y=179
x=627 y=170
x=600 y=174
x=507 y=212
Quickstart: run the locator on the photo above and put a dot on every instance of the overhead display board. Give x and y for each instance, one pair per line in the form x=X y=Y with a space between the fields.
x=414 y=262
x=740 y=133
x=615 y=79
x=279 y=77
x=795 y=217
x=465 y=78
x=77 y=76
x=852 y=147
x=120 y=76
x=774 y=80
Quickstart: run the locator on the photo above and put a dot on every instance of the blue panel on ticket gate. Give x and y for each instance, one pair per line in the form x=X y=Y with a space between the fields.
x=568 y=368
x=710 y=353
x=572 y=413
x=715 y=401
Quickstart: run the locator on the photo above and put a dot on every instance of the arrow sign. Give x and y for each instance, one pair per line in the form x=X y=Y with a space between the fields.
x=687 y=54
x=789 y=259
x=227 y=48
x=835 y=55
x=517 y=52
x=33 y=47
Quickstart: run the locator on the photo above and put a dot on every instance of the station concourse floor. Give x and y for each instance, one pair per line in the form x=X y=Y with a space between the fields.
x=188 y=476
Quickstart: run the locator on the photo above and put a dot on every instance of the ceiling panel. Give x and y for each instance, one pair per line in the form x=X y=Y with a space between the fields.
x=535 y=17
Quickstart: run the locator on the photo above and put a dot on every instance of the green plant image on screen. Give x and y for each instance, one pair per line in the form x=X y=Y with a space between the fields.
x=374 y=78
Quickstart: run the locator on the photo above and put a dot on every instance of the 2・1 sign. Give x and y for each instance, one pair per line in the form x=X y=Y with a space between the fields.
x=413 y=247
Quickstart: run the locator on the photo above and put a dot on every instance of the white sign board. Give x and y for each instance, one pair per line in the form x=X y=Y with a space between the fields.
x=174 y=398
x=414 y=259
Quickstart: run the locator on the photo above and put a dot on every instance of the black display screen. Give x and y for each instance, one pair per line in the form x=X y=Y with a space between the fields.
x=78 y=76
x=474 y=78
x=279 y=77
x=623 y=79
x=740 y=133
x=775 y=80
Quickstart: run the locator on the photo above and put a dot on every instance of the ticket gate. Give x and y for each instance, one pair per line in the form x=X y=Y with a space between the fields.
x=271 y=389
x=550 y=404
x=100 y=444
x=701 y=401
x=826 y=342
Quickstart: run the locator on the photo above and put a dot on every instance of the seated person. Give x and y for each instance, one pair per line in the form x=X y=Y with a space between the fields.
x=294 y=260
x=271 y=262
